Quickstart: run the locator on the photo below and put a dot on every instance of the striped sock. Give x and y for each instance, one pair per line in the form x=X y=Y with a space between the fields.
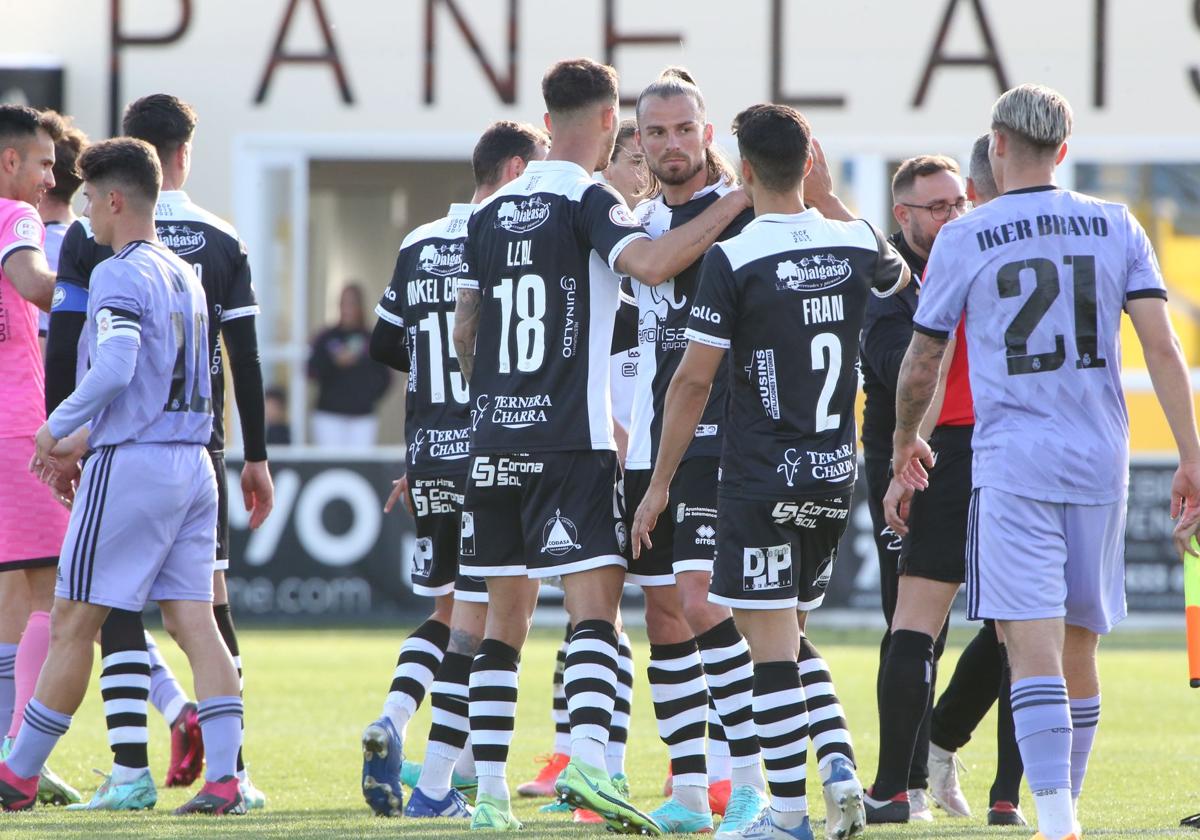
x=590 y=683
x=782 y=724
x=43 y=727
x=680 y=707
x=493 y=712
x=450 y=713
x=1042 y=719
x=8 y=687
x=1085 y=719
x=826 y=721
x=558 y=711
x=420 y=656
x=221 y=730
x=718 y=747
x=618 y=732
x=730 y=677
x=125 y=687
x=166 y=693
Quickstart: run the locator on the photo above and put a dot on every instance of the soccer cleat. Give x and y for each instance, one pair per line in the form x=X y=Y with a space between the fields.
x=845 y=812
x=543 y=783
x=583 y=786
x=746 y=802
x=254 y=799
x=493 y=814
x=673 y=818
x=187 y=748
x=555 y=807
x=718 y=795
x=1005 y=813
x=764 y=828
x=586 y=817
x=137 y=795
x=944 y=786
x=918 y=806
x=881 y=811
x=453 y=804
x=382 y=759
x=16 y=793
x=217 y=798
x=410 y=777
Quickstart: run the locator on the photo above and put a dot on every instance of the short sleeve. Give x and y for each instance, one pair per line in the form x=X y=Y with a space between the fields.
x=943 y=291
x=1143 y=277
x=118 y=302
x=391 y=304
x=715 y=309
x=467 y=278
x=889 y=265
x=240 y=301
x=23 y=230
x=608 y=225
x=76 y=258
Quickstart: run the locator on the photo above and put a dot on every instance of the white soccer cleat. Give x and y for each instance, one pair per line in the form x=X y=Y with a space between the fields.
x=943 y=782
x=918 y=806
x=845 y=813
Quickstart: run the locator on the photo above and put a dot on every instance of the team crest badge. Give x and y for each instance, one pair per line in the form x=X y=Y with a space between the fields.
x=559 y=536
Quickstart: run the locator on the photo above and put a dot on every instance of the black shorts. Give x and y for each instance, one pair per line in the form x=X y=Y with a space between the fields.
x=437 y=505
x=936 y=545
x=685 y=536
x=542 y=514
x=776 y=555
x=218 y=462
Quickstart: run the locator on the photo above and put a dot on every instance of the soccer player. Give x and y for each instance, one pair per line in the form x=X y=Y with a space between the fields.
x=927 y=191
x=1041 y=275
x=413 y=335
x=31 y=522
x=533 y=333
x=55 y=208
x=217 y=255
x=972 y=690
x=792 y=286
x=143 y=525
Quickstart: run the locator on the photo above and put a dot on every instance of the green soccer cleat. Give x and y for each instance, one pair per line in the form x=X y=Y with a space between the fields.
x=746 y=802
x=583 y=786
x=673 y=818
x=555 y=807
x=254 y=799
x=138 y=795
x=493 y=814
x=410 y=775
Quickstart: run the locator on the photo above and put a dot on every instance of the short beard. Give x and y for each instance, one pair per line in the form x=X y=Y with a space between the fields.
x=923 y=242
x=682 y=177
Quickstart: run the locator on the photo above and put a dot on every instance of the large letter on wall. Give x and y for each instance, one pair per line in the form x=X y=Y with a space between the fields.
x=614 y=39
x=505 y=86
x=328 y=56
x=119 y=39
x=799 y=100
x=989 y=58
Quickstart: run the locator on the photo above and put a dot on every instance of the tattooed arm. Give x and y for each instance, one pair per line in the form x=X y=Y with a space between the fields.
x=466 y=326
x=914 y=391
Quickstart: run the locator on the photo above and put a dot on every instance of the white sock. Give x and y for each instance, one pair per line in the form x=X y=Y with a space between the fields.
x=692 y=797
x=750 y=774
x=1056 y=812
x=787 y=819
x=122 y=775
x=465 y=766
x=435 y=775
x=399 y=716
x=589 y=751
x=493 y=786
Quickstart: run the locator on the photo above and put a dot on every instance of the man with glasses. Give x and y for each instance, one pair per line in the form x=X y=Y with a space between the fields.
x=927 y=192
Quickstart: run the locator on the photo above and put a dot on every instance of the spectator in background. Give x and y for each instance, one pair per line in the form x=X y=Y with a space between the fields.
x=279 y=430
x=626 y=171
x=349 y=383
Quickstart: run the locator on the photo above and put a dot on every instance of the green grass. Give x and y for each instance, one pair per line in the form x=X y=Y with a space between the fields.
x=309 y=694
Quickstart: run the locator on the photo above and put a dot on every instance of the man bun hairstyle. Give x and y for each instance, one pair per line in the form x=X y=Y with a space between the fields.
x=499 y=143
x=576 y=83
x=126 y=163
x=164 y=121
x=920 y=167
x=66 y=161
x=776 y=141
x=673 y=81
x=1036 y=115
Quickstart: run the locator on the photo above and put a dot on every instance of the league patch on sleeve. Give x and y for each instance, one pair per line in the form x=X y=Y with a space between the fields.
x=619 y=214
x=28 y=230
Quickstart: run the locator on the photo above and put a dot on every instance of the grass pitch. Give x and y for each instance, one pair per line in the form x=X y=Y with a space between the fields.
x=310 y=693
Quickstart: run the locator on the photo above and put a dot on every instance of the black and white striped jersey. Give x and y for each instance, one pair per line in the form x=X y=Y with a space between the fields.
x=662 y=322
x=787 y=298
x=541 y=251
x=420 y=301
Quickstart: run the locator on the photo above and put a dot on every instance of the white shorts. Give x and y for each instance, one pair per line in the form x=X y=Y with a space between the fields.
x=1028 y=559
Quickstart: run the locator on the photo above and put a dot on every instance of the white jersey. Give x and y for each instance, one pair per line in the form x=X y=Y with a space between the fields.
x=1041 y=276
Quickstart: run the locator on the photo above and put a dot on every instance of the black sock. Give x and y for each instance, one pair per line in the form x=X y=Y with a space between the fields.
x=905 y=682
x=918 y=771
x=224 y=617
x=1009 y=766
x=970 y=693
x=125 y=676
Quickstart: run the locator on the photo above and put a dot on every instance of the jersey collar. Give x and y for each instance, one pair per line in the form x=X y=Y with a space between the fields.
x=173 y=197
x=460 y=210
x=809 y=215
x=1037 y=189
x=570 y=166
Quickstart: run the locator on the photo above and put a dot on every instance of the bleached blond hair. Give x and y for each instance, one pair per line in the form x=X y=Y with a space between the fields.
x=1036 y=114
